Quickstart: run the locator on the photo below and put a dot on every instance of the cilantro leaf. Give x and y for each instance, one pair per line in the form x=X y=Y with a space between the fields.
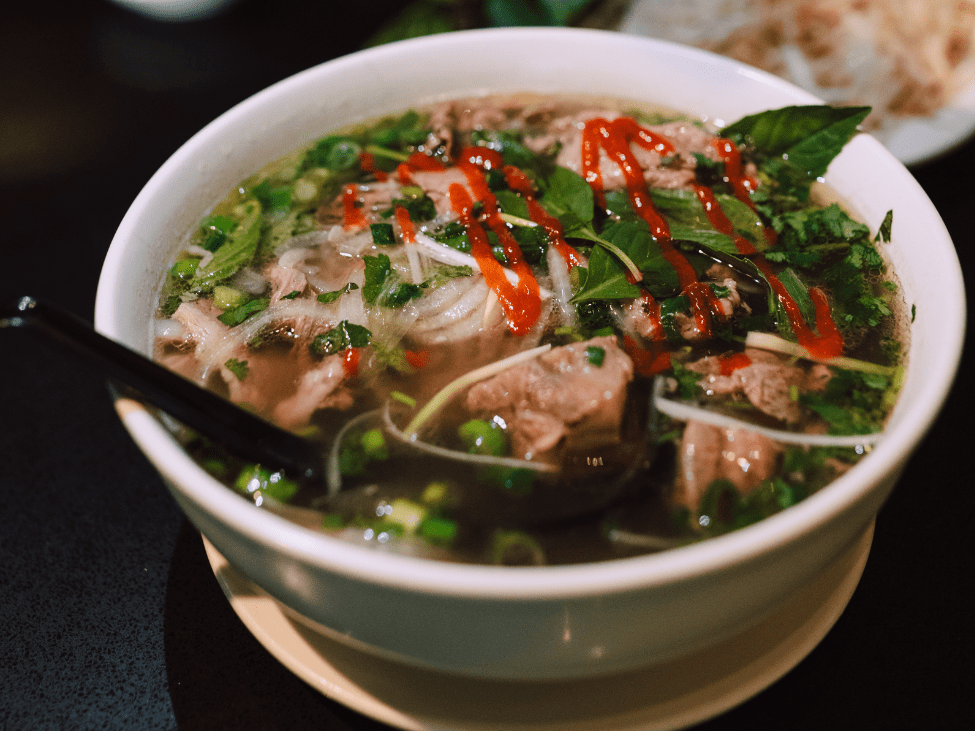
x=238 y=314
x=344 y=335
x=329 y=297
x=238 y=368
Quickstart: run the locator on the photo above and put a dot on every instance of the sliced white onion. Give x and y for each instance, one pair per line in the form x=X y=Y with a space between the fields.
x=643 y=541
x=561 y=286
x=688 y=412
x=437 y=300
x=169 y=329
x=309 y=239
x=249 y=280
x=482 y=460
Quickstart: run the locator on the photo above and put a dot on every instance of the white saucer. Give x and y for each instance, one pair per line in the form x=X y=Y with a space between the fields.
x=671 y=696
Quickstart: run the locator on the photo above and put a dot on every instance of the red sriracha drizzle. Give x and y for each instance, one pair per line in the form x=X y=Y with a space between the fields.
x=828 y=343
x=519 y=183
x=615 y=137
x=353 y=215
x=417 y=161
x=368 y=165
x=728 y=363
x=521 y=303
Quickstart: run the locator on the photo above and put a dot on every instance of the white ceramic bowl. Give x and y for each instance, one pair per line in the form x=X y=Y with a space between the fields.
x=530 y=622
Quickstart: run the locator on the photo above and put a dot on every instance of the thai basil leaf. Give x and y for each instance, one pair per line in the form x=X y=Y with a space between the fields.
x=606 y=277
x=688 y=220
x=808 y=137
x=568 y=195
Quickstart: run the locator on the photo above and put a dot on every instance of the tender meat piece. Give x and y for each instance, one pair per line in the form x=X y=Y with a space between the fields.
x=768 y=381
x=678 y=173
x=559 y=400
x=199 y=320
x=466 y=116
x=709 y=453
x=319 y=388
x=198 y=328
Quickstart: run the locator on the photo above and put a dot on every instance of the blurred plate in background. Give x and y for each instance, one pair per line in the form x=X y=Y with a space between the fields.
x=913 y=61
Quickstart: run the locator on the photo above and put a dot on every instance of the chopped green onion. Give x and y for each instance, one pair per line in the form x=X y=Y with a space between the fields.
x=439 y=531
x=238 y=368
x=382 y=234
x=435 y=494
x=406 y=513
x=374 y=444
x=228 y=298
x=184 y=269
x=512 y=547
x=483 y=437
x=256 y=480
x=595 y=355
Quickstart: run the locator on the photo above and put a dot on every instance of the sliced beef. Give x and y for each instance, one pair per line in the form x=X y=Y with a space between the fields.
x=709 y=453
x=678 y=172
x=321 y=387
x=285 y=280
x=560 y=400
x=769 y=381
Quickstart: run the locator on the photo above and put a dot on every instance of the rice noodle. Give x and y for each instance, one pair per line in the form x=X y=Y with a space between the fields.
x=216 y=350
x=438 y=299
x=250 y=281
x=460 y=309
x=413 y=257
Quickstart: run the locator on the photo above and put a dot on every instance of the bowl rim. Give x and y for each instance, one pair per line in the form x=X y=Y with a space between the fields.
x=516 y=583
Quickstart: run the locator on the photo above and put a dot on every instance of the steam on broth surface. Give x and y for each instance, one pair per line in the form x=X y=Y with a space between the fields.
x=539 y=330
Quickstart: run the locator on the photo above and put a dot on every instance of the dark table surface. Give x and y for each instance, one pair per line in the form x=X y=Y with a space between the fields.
x=110 y=617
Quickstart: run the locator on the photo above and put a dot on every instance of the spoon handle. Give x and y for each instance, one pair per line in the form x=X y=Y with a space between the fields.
x=249 y=436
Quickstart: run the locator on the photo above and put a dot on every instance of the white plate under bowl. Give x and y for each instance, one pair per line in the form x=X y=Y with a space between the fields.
x=661 y=698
